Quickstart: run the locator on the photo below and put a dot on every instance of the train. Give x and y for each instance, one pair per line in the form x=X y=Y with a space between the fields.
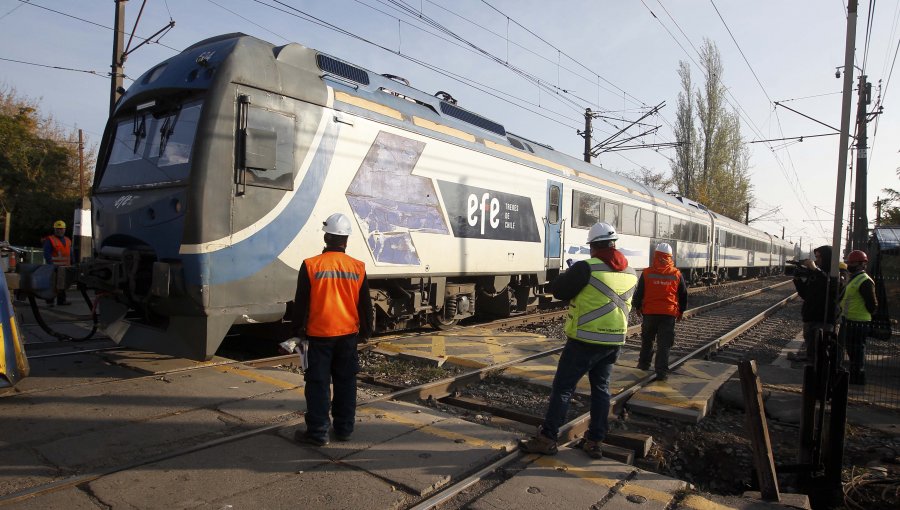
x=219 y=165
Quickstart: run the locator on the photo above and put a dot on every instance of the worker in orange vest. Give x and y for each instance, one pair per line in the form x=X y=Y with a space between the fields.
x=333 y=312
x=661 y=297
x=58 y=252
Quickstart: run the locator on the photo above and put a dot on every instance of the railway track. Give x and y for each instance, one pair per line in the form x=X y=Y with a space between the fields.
x=436 y=390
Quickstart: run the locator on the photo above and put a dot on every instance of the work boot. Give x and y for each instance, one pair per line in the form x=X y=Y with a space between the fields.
x=643 y=366
x=538 y=444
x=592 y=448
x=662 y=376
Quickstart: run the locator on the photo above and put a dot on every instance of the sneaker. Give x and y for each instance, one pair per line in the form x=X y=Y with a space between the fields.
x=592 y=448
x=538 y=444
x=306 y=438
x=643 y=366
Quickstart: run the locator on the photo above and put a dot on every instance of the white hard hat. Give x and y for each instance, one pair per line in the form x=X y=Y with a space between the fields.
x=664 y=247
x=602 y=232
x=337 y=224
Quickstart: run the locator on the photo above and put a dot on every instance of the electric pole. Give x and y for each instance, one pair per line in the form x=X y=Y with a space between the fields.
x=117 y=76
x=860 y=217
x=587 y=134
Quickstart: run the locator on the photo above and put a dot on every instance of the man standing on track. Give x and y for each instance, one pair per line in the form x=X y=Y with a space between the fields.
x=58 y=252
x=599 y=290
x=333 y=310
x=661 y=297
x=858 y=303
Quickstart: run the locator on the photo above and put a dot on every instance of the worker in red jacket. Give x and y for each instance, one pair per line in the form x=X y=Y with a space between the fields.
x=661 y=297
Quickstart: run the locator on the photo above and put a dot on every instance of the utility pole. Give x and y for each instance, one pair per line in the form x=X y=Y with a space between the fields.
x=82 y=228
x=782 y=231
x=588 y=115
x=117 y=75
x=878 y=211
x=747 y=215
x=860 y=218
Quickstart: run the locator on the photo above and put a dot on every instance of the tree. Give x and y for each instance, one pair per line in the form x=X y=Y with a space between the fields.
x=890 y=206
x=39 y=173
x=712 y=162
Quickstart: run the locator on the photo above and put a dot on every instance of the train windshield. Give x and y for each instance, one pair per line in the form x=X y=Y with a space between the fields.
x=152 y=148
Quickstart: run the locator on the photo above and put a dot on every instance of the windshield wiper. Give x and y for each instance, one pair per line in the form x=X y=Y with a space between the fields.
x=139 y=131
x=167 y=129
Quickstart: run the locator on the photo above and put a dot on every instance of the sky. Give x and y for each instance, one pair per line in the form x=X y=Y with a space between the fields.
x=617 y=57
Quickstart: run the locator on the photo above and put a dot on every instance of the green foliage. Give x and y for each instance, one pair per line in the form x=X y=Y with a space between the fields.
x=890 y=206
x=39 y=170
x=712 y=163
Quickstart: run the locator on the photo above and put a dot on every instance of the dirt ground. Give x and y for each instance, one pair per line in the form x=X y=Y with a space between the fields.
x=716 y=457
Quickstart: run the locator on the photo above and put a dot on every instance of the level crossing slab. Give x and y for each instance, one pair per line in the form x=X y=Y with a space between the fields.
x=478 y=347
x=687 y=395
x=571 y=479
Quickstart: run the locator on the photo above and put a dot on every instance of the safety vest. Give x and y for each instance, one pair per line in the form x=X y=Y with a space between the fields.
x=853 y=307
x=335 y=280
x=660 y=293
x=62 y=249
x=599 y=313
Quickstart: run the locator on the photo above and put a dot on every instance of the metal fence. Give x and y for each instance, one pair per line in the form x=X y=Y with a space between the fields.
x=882 y=386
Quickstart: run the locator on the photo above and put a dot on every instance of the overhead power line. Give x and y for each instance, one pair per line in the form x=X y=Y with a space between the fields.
x=101 y=74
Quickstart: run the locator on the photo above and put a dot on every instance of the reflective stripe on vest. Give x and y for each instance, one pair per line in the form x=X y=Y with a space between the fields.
x=853 y=307
x=599 y=313
x=660 y=293
x=335 y=280
x=61 y=254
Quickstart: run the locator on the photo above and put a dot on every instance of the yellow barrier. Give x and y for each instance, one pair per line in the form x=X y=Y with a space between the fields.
x=13 y=363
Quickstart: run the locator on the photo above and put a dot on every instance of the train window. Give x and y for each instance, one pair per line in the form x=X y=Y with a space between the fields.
x=269 y=149
x=152 y=147
x=172 y=142
x=648 y=223
x=611 y=214
x=704 y=234
x=676 y=228
x=662 y=226
x=585 y=209
x=631 y=219
x=553 y=210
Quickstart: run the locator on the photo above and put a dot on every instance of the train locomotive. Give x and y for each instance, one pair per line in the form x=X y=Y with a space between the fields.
x=219 y=165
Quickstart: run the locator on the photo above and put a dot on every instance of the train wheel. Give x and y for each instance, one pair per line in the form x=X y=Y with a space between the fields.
x=438 y=321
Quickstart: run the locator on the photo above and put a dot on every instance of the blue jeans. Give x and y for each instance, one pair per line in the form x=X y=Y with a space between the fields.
x=579 y=358
x=332 y=361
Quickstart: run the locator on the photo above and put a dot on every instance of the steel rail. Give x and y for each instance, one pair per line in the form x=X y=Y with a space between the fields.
x=423 y=391
x=572 y=431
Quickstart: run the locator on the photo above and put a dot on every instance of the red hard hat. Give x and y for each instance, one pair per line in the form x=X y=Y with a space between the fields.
x=857 y=256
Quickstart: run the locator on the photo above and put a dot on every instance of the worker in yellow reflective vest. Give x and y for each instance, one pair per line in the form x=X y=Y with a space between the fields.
x=599 y=290
x=858 y=303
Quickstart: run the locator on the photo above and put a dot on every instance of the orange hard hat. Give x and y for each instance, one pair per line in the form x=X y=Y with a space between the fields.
x=857 y=256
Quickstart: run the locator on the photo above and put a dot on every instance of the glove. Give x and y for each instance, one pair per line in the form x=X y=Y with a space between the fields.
x=289 y=345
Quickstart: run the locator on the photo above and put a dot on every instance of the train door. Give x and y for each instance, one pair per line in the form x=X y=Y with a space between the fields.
x=553 y=226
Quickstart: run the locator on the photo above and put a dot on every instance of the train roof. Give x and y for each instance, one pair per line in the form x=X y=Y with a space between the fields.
x=439 y=111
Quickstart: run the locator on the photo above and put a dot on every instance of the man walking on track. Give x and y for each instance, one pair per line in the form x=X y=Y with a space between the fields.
x=661 y=297
x=599 y=290
x=333 y=311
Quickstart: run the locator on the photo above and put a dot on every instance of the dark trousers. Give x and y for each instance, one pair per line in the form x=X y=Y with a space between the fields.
x=660 y=328
x=810 y=331
x=852 y=338
x=332 y=361
x=579 y=358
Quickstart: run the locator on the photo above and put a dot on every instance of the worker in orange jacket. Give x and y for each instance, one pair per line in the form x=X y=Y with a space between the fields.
x=333 y=312
x=58 y=252
x=661 y=297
